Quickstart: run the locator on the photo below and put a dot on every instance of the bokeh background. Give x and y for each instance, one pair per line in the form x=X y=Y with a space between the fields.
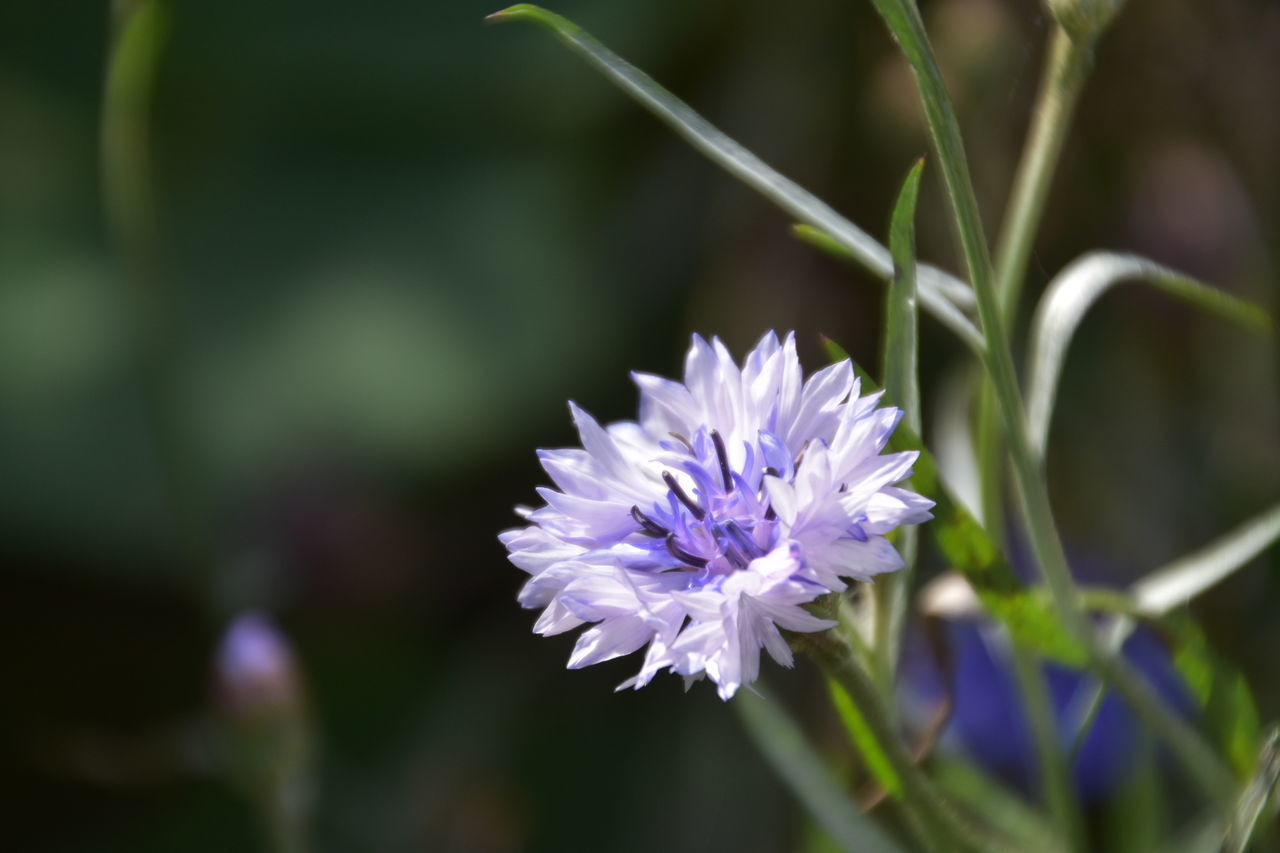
x=393 y=242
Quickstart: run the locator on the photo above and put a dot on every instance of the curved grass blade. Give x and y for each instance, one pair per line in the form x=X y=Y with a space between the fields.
x=1070 y=295
x=736 y=160
x=783 y=745
x=1187 y=577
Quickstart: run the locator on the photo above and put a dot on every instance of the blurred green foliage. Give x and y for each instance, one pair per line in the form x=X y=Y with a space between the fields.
x=397 y=240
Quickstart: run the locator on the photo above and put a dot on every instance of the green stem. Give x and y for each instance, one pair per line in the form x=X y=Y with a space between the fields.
x=139 y=33
x=1066 y=70
x=939 y=824
x=1054 y=769
x=1200 y=760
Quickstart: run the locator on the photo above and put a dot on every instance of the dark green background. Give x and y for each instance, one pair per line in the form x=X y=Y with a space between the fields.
x=398 y=240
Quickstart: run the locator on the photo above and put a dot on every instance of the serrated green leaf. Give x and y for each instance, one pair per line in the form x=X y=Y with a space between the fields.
x=937 y=289
x=1070 y=295
x=781 y=741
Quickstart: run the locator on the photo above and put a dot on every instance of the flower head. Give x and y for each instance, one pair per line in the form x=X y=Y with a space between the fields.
x=740 y=496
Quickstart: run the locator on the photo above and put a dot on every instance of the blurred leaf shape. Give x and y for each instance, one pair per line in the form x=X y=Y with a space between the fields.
x=1186 y=577
x=937 y=289
x=1070 y=295
x=782 y=743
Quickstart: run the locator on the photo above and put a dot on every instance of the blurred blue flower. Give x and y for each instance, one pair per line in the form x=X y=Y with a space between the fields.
x=254 y=669
x=741 y=495
x=989 y=722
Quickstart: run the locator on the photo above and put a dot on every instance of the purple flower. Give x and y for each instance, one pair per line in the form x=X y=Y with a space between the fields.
x=741 y=495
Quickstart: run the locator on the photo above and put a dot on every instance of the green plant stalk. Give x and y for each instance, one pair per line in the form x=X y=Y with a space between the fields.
x=1054 y=769
x=902 y=385
x=903 y=19
x=1067 y=65
x=940 y=825
x=1066 y=70
x=139 y=33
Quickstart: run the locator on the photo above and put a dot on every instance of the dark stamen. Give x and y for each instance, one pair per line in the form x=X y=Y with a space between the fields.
x=682 y=496
x=723 y=456
x=743 y=539
x=683 y=555
x=650 y=527
x=772 y=472
x=736 y=557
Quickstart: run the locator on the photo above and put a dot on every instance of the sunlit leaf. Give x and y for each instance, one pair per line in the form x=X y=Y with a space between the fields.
x=780 y=740
x=745 y=166
x=1070 y=295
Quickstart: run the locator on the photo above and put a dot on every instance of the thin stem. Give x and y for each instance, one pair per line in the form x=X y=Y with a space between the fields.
x=1200 y=760
x=139 y=30
x=941 y=825
x=1066 y=69
x=1054 y=770
x=1067 y=64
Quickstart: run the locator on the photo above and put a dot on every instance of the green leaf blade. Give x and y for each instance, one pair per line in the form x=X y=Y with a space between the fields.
x=781 y=742
x=1185 y=578
x=1074 y=291
x=902 y=381
x=937 y=289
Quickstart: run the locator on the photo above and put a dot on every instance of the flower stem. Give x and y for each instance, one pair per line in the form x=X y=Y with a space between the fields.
x=1066 y=69
x=1199 y=759
x=940 y=826
x=1067 y=65
x=1055 y=780
x=139 y=32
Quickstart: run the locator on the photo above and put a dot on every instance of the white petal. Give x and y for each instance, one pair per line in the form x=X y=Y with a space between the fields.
x=610 y=639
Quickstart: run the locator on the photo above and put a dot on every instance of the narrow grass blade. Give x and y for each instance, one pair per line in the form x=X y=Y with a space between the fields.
x=901 y=375
x=1070 y=295
x=1257 y=796
x=996 y=805
x=860 y=735
x=732 y=157
x=783 y=745
x=902 y=388
x=1187 y=577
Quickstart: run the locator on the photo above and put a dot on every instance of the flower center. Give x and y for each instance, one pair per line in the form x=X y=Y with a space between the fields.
x=719 y=523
